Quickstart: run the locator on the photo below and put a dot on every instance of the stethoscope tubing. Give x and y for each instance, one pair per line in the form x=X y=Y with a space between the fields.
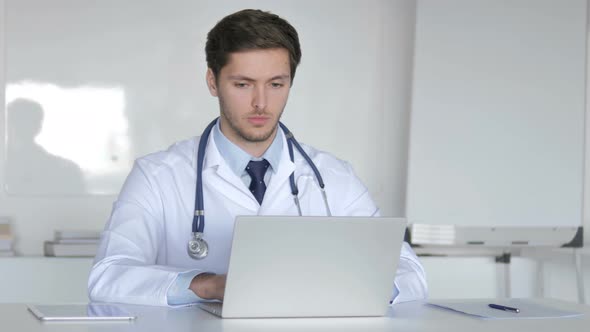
x=199 y=216
x=198 y=226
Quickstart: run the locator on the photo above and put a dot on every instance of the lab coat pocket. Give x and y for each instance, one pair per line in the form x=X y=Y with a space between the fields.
x=310 y=197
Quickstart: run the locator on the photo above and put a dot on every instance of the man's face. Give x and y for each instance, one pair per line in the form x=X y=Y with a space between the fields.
x=252 y=88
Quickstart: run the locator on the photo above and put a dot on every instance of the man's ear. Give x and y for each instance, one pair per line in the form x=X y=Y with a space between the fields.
x=211 y=82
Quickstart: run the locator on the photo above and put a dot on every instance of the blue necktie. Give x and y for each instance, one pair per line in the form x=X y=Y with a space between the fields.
x=256 y=170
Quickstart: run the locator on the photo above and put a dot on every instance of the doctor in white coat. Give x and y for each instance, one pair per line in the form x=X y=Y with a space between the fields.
x=252 y=57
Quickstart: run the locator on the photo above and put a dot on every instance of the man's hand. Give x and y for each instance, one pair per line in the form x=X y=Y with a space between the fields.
x=209 y=286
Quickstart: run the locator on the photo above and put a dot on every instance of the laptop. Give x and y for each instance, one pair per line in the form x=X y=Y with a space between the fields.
x=287 y=266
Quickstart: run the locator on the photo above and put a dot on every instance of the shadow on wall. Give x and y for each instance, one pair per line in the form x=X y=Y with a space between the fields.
x=30 y=169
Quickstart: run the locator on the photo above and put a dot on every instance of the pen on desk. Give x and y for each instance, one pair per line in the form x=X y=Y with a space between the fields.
x=503 y=307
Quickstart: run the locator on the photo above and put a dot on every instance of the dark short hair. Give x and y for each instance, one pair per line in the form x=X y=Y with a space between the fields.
x=251 y=29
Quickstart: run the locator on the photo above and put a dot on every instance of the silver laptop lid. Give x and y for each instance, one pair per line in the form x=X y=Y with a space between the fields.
x=283 y=266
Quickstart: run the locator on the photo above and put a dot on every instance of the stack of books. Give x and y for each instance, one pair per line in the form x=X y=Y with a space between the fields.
x=425 y=234
x=72 y=243
x=6 y=239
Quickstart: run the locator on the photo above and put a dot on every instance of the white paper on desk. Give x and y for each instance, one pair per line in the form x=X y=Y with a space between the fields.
x=528 y=309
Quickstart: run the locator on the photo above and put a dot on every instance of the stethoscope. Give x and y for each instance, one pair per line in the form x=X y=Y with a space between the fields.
x=197 y=246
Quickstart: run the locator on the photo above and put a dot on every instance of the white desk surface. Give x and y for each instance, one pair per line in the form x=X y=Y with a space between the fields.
x=413 y=316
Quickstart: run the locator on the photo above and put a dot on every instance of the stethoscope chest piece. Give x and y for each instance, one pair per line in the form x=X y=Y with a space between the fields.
x=197 y=247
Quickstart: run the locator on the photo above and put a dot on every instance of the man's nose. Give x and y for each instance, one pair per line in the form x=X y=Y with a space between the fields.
x=259 y=98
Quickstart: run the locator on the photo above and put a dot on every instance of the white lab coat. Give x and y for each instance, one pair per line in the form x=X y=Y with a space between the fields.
x=144 y=244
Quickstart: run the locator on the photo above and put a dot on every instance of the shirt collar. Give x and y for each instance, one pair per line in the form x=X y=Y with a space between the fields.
x=237 y=159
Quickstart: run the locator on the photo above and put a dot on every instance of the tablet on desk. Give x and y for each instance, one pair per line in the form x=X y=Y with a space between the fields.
x=85 y=312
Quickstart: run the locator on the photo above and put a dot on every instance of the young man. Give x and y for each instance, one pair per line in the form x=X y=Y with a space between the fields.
x=252 y=58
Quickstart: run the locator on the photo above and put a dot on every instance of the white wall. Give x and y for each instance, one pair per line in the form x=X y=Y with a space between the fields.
x=586 y=196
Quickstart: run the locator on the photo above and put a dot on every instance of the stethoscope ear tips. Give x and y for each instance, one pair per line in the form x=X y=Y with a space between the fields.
x=197 y=247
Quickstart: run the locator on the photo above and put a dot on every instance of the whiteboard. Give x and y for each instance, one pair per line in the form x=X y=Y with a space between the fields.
x=497 y=120
x=115 y=80
x=119 y=79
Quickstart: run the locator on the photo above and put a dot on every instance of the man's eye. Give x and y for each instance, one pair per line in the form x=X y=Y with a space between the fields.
x=276 y=85
x=241 y=85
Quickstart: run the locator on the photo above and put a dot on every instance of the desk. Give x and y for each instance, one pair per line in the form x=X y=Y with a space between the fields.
x=412 y=316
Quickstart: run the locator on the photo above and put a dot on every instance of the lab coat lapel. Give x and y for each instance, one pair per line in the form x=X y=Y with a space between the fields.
x=278 y=190
x=223 y=180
